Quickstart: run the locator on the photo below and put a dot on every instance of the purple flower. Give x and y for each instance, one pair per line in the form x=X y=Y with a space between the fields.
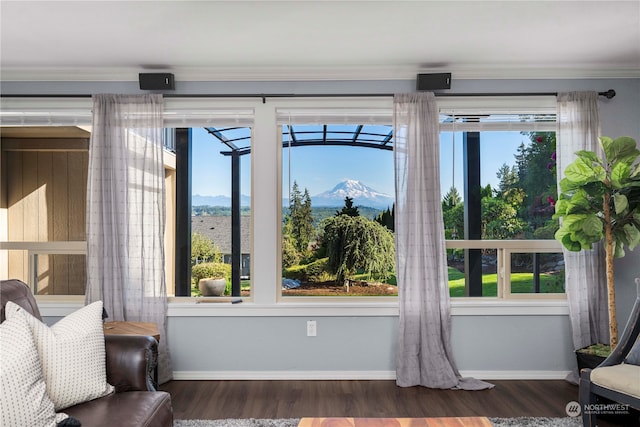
x=553 y=156
x=550 y=165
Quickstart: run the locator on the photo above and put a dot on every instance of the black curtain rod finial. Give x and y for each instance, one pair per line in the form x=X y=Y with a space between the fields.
x=608 y=94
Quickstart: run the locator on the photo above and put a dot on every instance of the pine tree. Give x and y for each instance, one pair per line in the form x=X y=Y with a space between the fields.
x=387 y=218
x=306 y=218
x=300 y=218
x=452 y=198
x=348 y=208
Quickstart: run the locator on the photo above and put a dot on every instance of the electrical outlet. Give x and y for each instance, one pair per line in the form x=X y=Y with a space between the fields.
x=311 y=328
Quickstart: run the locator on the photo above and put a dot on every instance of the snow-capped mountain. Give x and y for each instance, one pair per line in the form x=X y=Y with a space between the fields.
x=361 y=194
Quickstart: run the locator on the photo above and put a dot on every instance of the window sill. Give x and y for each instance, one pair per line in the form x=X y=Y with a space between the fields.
x=187 y=307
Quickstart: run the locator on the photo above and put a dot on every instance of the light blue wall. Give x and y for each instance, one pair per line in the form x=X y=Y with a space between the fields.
x=364 y=346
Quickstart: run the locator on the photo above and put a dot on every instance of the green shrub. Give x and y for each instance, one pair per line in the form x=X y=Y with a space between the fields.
x=210 y=270
x=290 y=255
x=317 y=270
x=313 y=272
x=295 y=272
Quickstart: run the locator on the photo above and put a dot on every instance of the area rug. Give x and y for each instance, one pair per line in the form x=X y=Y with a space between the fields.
x=293 y=422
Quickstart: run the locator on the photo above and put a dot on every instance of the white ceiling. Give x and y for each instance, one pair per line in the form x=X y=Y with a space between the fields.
x=276 y=40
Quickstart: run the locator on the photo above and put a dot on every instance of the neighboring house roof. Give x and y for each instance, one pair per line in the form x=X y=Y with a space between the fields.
x=218 y=229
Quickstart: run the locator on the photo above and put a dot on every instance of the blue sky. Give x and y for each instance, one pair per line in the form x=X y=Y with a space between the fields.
x=496 y=149
x=321 y=168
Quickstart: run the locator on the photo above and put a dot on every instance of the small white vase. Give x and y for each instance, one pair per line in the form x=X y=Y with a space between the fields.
x=212 y=287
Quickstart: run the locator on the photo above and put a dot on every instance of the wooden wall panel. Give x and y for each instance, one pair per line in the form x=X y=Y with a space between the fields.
x=45 y=228
x=30 y=196
x=77 y=167
x=18 y=262
x=60 y=218
x=45 y=197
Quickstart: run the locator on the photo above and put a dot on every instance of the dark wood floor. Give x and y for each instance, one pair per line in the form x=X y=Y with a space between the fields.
x=296 y=399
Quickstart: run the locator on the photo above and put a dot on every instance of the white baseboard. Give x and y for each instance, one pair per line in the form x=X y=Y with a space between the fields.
x=516 y=375
x=356 y=375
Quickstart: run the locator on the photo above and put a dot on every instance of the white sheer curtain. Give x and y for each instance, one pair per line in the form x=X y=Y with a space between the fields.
x=423 y=354
x=578 y=129
x=126 y=213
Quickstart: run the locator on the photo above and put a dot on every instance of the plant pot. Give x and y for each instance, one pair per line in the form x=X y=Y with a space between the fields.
x=588 y=360
x=210 y=287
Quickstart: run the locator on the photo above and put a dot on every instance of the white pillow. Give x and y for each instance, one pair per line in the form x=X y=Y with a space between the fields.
x=23 y=394
x=72 y=354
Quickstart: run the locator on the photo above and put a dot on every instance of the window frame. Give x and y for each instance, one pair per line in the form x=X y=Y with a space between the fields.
x=266 y=191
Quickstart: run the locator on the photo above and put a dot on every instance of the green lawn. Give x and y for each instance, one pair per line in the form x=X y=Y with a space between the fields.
x=520 y=283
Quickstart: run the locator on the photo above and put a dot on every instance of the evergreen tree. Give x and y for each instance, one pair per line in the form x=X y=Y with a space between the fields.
x=508 y=177
x=453 y=214
x=536 y=168
x=306 y=218
x=348 y=208
x=355 y=243
x=452 y=198
x=387 y=218
x=300 y=218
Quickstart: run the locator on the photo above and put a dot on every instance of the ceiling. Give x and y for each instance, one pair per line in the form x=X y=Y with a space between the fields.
x=318 y=40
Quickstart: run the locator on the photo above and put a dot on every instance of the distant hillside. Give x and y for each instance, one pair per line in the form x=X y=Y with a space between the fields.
x=198 y=200
x=217 y=211
x=323 y=212
x=318 y=214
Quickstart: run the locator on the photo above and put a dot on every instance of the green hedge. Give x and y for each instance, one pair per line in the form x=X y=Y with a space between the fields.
x=313 y=272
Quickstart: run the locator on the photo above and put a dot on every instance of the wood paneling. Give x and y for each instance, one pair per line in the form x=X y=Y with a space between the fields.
x=18 y=266
x=45 y=227
x=44 y=190
x=60 y=217
x=48 y=132
x=46 y=198
x=64 y=145
x=77 y=167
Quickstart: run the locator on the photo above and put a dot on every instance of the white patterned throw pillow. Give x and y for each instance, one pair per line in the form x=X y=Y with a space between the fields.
x=72 y=354
x=23 y=395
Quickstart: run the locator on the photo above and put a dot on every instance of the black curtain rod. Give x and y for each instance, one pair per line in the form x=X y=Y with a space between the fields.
x=608 y=94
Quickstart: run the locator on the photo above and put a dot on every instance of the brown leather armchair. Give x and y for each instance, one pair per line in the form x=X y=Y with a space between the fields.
x=130 y=360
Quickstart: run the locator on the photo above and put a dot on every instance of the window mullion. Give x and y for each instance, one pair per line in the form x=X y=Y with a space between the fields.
x=265 y=270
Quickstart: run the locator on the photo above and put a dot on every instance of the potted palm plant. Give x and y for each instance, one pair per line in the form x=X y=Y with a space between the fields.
x=600 y=199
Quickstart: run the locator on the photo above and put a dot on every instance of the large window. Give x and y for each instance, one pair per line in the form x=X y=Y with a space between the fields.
x=498 y=180
x=289 y=199
x=220 y=210
x=338 y=199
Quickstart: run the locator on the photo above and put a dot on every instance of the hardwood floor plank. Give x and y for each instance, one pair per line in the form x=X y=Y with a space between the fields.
x=297 y=399
x=367 y=399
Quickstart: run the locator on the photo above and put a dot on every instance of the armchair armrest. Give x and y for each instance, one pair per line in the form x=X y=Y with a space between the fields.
x=130 y=359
